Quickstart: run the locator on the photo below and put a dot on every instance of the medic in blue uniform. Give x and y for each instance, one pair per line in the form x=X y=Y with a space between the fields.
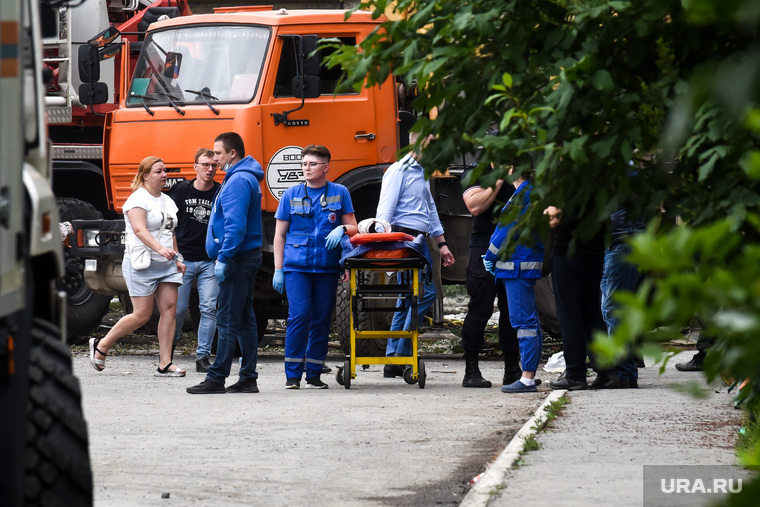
x=519 y=273
x=312 y=218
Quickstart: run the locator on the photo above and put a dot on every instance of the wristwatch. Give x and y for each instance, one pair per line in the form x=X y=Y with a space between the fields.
x=179 y=258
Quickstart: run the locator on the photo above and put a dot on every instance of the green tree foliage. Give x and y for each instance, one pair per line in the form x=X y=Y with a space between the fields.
x=591 y=88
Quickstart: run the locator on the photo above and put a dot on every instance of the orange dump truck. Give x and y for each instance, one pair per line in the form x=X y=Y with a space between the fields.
x=255 y=72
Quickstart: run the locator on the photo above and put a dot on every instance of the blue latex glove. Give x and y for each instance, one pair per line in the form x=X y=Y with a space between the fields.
x=278 y=282
x=489 y=267
x=219 y=269
x=333 y=239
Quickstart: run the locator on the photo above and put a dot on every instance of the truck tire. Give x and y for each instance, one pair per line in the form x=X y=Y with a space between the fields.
x=85 y=308
x=368 y=321
x=57 y=457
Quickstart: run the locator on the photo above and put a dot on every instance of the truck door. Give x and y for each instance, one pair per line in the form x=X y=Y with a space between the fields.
x=345 y=122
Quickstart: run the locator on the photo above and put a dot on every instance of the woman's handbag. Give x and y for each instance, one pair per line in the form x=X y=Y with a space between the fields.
x=139 y=256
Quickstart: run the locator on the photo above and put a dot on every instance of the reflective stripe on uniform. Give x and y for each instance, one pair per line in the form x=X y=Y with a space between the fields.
x=295 y=360
x=524 y=266
x=526 y=333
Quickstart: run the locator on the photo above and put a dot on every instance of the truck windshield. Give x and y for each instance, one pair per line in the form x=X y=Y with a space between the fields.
x=198 y=65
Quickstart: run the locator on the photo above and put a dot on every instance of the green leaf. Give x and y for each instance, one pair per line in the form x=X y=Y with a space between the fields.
x=602 y=81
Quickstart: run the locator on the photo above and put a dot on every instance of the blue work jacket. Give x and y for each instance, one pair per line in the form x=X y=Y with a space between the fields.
x=313 y=214
x=526 y=262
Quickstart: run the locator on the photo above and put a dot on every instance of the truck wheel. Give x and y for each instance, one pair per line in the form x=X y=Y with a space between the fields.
x=368 y=321
x=85 y=308
x=57 y=456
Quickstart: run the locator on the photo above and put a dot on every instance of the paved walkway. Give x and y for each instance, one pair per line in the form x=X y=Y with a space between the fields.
x=594 y=453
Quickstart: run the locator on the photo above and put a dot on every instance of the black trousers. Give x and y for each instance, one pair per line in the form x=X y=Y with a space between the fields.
x=577 y=295
x=482 y=288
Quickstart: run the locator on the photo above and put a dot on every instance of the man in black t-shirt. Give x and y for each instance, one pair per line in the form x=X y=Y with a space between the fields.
x=195 y=199
x=482 y=288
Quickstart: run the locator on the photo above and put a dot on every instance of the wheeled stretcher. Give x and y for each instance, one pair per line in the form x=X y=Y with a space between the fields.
x=384 y=297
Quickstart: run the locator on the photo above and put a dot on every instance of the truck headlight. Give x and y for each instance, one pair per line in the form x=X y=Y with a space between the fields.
x=91 y=238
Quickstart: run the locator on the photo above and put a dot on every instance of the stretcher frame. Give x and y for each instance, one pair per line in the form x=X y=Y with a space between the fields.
x=407 y=287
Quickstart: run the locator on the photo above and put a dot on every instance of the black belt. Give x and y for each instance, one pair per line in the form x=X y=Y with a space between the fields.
x=407 y=230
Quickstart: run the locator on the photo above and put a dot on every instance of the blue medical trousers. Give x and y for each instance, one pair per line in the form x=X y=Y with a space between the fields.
x=311 y=298
x=402 y=318
x=523 y=315
x=235 y=318
x=208 y=290
x=618 y=275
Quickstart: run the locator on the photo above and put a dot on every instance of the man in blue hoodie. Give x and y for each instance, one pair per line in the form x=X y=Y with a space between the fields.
x=234 y=240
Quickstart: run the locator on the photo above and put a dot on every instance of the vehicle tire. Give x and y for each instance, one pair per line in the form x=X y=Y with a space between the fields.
x=368 y=321
x=57 y=457
x=85 y=308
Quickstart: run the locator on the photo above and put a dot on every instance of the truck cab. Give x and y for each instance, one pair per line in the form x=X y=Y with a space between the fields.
x=259 y=73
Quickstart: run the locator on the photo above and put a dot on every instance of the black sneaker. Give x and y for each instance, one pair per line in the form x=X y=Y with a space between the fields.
x=570 y=385
x=293 y=383
x=202 y=365
x=315 y=383
x=244 y=386
x=207 y=387
x=696 y=364
x=393 y=370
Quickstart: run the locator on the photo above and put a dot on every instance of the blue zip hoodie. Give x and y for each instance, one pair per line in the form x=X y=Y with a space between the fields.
x=235 y=223
x=525 y=262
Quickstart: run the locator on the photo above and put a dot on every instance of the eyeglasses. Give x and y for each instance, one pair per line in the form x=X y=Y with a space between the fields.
x=206 y=165
x=312 y=164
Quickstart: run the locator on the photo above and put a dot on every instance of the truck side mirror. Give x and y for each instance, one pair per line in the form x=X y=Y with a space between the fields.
x=306 y=87
x=105 y=37
x=311 y=55
x=89 y=64
x=93 y=93
x=172 y=65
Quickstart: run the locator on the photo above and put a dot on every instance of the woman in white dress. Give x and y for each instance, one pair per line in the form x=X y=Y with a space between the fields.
x=150 y=217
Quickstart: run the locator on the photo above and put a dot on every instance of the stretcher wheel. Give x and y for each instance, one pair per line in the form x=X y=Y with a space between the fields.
x=339 y=375
x=347 y=374
x=421 y=373
x=408 y=375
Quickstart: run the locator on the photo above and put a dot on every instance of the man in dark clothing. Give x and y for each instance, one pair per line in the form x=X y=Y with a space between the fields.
x=194 y=200
x=576 y=275
x=482 y=288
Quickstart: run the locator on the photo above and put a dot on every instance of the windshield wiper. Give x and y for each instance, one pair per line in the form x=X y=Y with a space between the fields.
x=171 y=101
x=205 y=94
x=142 y=101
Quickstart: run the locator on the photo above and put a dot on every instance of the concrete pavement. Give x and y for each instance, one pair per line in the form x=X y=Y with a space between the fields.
x=594 y=453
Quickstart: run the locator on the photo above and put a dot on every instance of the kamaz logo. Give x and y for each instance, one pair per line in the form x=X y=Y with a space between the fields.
x=284 y=170
x=288 y=176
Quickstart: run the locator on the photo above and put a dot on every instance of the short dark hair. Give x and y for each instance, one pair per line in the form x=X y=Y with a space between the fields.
x=203 y=152
x=316 y=149
x=232 y=141
x=523 y=165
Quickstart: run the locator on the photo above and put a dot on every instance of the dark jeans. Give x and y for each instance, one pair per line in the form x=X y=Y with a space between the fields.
x=482 y=288
x=577 y=296
x=235 y=318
